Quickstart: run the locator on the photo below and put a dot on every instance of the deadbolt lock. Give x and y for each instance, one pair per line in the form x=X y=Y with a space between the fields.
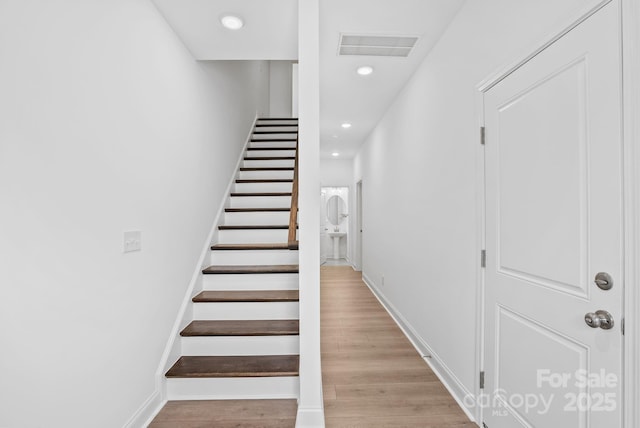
x=604 y=281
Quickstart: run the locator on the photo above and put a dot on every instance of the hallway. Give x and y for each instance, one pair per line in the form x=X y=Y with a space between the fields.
x=371 y=374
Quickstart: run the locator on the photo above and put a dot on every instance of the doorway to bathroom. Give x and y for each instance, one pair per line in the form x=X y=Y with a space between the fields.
x=334 y=226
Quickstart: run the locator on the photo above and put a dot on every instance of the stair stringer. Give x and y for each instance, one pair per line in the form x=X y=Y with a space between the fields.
x=173 y=348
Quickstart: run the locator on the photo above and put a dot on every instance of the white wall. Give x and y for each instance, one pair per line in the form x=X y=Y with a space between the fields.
x=336 y=172
x=280 y=88
x=419 y=179
x=107 y=125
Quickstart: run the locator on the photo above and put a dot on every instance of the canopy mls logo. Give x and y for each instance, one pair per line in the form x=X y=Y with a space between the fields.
x=596 y=393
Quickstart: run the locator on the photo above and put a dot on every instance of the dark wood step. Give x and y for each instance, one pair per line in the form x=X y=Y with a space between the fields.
x=260 y=296
x=277 y=118
x=269 y=158
x=266 y=169
x=269 y=148
x=253 y=227
x=250 y=269
x=263 y=140
x=274 y=132
x=236 y=366
x=255 y=210
x=241 y=247
x=271 y=125
x=241 y=328
x=244 y=194
x=266 y=180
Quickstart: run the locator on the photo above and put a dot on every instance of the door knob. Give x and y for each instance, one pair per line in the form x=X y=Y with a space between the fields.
x=602 y=319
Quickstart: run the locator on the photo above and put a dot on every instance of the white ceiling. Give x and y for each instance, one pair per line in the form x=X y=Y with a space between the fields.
x=270 y=28
x=270 y=32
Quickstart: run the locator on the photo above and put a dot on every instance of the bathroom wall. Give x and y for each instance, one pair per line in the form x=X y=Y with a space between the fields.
x=339 y=173
x=327 y=241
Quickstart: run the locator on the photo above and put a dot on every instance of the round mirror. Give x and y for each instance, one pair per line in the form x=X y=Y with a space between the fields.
x=336 y=210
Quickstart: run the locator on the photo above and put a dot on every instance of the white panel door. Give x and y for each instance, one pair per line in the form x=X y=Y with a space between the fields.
x=554 y=221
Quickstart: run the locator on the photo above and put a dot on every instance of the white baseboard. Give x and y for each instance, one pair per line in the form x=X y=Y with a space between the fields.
x=446 y=376
x=149 y=409
x=310 y=418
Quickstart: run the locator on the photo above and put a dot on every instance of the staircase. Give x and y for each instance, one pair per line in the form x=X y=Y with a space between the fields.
x=242 y=342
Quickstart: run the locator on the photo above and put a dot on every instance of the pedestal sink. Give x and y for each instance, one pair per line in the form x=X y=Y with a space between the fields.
x=336 y=242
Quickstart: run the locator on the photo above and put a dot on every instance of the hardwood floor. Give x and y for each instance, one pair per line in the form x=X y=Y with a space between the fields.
x=372 y=376
x=227 y=414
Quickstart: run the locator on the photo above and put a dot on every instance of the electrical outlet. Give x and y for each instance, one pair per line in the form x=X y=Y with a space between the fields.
x=132 y=241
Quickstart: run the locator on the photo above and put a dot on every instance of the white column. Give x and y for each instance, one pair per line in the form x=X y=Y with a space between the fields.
x=310 y=406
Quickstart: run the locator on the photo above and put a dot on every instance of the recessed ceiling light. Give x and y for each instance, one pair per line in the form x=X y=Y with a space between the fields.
x=365 y=70
x=346 y=125
x=232 y=22
x=335 y=154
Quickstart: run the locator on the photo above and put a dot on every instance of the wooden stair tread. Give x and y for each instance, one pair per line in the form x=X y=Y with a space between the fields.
x=274 y=132
x=240 y=247
x=253 y=227
x=266 y=169
x=249 y=269
x=242 y=328
x=263 y=296
x=237 y=194
x=255 y=210
x=269 y=158
x=261 y=149
x=268 y=140
x=235 y=366
x=290 y=119
x=266 y=180
x=277 y=118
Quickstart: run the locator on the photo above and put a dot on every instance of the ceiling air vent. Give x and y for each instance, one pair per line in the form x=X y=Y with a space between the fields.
x=376 y=45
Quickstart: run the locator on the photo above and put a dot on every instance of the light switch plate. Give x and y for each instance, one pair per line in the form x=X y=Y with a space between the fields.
x=132 y=241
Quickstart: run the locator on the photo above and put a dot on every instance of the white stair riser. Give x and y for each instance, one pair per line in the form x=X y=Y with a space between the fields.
x=269 y=153
x=278 y=127
x=232 y=388
x=283 y=136
x=252 y=236
x=230 y=282
x=278 y=144
x=278 y=121
x=268 y=163
x=259 y=175
x=263 y=187
x=260 y=202
x=258 y=217
x=241 y=345
x=250 y=257
x=246 y=311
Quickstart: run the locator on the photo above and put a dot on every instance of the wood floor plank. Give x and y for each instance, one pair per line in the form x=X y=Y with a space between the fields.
x=226 y=413
x=375 y=376
x=437 y=421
